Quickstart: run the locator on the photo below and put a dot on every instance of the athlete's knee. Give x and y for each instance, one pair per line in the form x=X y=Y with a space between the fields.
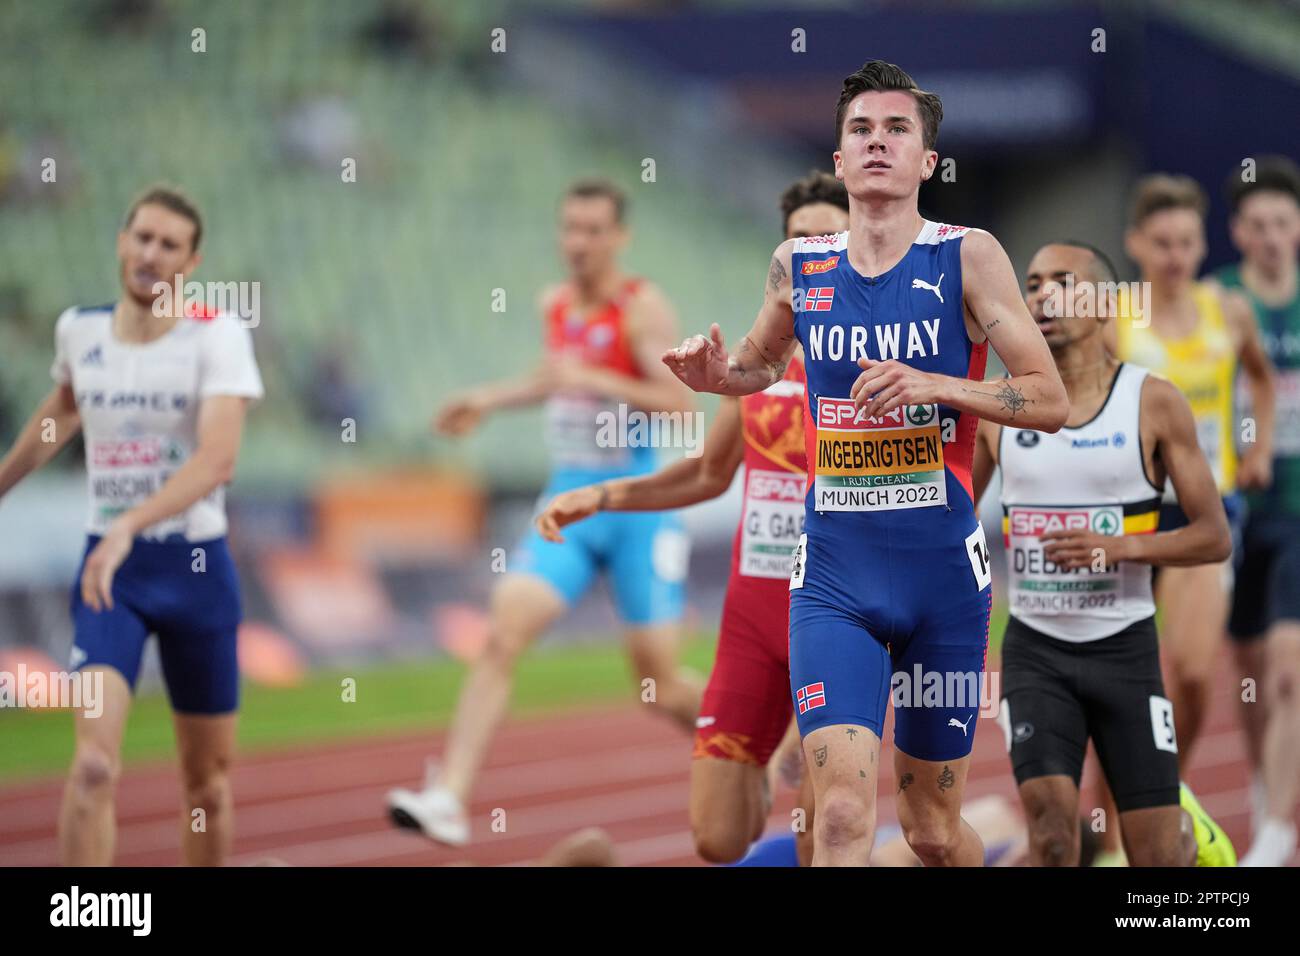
x=1051 y=836
x=721 y=838
x=208 y=793
x=94 y=774
x=1283 y=670
x=518 y=615
x=934 y=839
x=843 y=818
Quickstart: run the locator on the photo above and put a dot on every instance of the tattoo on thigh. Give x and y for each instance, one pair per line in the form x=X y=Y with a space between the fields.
x=905 y=781
x=946 y=779
x=851 y=731
x=820 y=756
x=862 y=773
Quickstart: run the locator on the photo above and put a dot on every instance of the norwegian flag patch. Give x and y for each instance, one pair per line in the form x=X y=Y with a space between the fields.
x=819 y=298
x=810 y=696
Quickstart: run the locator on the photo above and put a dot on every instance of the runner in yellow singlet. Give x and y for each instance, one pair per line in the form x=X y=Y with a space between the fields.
x=1195 y=334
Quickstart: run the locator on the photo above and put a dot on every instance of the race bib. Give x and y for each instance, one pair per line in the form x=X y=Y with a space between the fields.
x=584 y=432
x=1039 y=586
x=773 y=521
x=1286 y=435
x=878 y=464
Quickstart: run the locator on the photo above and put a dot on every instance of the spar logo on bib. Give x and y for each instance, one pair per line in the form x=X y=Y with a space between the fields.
x=129 y=453
x=868 y=463
x=1032 y=523
x=776 y=486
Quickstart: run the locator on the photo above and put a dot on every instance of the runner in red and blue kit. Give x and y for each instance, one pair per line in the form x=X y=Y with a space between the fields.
x=893 y=570
x=895 y=317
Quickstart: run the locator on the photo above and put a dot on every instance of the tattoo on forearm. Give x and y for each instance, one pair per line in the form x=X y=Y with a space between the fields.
x=946 y=779
x=1012 y=398
x=905 y=781
x=820 y=756
x=775 y=275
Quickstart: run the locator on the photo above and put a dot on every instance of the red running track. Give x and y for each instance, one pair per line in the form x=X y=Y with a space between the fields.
x=622 y=769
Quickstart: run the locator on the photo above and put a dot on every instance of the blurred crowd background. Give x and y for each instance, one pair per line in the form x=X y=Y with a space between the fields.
x=377 y=295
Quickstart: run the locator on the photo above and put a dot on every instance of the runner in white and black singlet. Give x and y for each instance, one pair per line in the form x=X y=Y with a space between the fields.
x=1079 y=658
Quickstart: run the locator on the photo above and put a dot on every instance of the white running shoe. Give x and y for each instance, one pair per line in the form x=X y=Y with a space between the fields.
x=435 y=811
x=1274 y=845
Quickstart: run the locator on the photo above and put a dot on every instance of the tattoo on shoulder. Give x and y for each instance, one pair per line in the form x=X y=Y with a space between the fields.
x=775 y=275
x=1012 y=398
x=820 y=756
x=946 y=779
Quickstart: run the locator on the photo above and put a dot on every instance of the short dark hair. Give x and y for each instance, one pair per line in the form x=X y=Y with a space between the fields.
x=1277 y=174
x=1161 y=191
x=169 y=197
x=1107 y=268
x=877 y=76
x=816 y=187
x=590 y=187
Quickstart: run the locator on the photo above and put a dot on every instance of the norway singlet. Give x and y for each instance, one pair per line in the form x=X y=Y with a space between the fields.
x=891 y=584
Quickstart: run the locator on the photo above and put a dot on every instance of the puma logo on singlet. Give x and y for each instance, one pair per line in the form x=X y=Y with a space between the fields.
x=954 y=722
x=922 y=284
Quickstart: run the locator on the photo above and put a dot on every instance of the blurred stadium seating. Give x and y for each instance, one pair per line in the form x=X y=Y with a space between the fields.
x=377 y=294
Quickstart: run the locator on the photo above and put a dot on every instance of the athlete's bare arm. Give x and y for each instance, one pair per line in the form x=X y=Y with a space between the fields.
x=462 y=413
x=53 y=424
x=1169 y=430
x=651 y=328
x=220 y=425
x=986 y=457
x=1032 y=397
x=685 y=482
x=761 y=358
x=1255 y=469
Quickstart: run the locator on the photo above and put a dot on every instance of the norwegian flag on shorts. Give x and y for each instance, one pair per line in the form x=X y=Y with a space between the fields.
x=819 y=298
x=813 y=695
